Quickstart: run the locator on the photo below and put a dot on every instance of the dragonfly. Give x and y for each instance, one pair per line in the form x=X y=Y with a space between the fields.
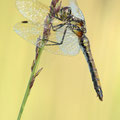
x=68 y=34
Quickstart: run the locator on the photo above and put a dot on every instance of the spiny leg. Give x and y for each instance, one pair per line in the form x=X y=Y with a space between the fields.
x=84 y=43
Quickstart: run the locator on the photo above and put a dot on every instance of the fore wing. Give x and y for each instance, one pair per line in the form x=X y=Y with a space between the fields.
x=33 y=10
x=28 y=31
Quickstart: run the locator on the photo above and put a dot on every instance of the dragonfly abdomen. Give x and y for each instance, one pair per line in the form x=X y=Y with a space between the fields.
x=84 y=43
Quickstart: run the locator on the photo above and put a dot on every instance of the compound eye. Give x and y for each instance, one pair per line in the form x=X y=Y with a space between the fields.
x=62 y=11
x=69 y=12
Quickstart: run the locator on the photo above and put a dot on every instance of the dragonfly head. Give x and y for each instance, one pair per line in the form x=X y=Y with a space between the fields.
x=65 y=13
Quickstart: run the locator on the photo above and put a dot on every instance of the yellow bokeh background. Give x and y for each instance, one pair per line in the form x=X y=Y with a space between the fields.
x=64 y=89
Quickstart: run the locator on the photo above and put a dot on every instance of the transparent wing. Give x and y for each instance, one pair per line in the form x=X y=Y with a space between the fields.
x=75 y=8
x=33 y=10
x=70 y=44
x=28 y=31
x=31 y=32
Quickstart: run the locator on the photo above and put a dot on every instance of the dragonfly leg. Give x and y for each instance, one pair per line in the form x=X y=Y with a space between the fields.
x=56 y=43
x=56 y=27
x=84 y=43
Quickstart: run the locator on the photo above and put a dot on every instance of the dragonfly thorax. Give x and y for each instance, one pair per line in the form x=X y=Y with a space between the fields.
x=77 y=26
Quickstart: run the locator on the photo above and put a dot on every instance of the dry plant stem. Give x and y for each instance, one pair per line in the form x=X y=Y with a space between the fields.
x=34 y=74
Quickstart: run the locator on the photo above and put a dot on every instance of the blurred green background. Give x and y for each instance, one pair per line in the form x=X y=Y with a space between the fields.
x=64 y=89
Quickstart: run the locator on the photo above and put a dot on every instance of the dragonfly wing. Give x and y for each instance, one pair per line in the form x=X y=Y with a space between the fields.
x=75 y=9
x=70 y=46
x=28 y=31
x=31 y=32
x=33 y=10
